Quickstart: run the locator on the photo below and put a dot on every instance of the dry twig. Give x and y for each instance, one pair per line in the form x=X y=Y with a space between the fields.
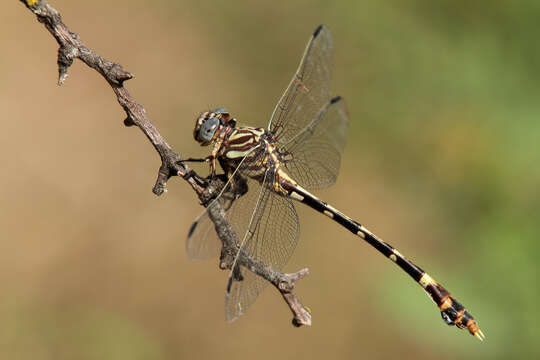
x=71 y=47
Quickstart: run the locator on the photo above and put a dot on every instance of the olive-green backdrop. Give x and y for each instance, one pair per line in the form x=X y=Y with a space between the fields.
x=442 y=161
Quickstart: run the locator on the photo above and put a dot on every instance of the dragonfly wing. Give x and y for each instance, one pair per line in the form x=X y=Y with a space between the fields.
x=309 y=126
x=308 y=91
x=268 y=231
x=313 y=157
x=202 y=242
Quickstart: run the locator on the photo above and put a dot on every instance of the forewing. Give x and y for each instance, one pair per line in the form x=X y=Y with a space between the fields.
x=269 y=235
x=313 y=157
x=308 y=91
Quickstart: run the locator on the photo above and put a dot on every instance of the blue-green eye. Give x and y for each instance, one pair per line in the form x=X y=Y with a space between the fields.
x=220 y=111
x=208 y=129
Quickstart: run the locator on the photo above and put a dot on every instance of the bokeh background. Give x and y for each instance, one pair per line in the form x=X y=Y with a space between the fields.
x=442 y=161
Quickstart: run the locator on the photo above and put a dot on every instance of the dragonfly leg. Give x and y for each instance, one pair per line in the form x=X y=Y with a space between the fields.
x=209 y=159
x=206 y=159
x=212 y=160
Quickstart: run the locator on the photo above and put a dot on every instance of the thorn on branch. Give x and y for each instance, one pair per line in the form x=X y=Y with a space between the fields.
x=288 y=281
x=66 y=54
x=113 y=72
x=164 y=174
x=120 y=74
x=303 y=320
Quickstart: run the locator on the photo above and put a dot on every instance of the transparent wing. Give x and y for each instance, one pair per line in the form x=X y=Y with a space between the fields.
x=313 y=156
x=267 y=224
x=309 y=126
x=202 y=242
x=308 y=91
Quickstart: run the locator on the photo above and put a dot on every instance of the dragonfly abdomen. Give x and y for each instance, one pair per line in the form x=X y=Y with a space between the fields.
x=452 y=312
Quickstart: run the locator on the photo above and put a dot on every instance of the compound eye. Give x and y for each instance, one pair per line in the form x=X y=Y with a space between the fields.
x=208 y=129
x=220 y=111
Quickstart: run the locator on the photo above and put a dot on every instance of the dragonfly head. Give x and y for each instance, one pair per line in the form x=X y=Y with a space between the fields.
x=209 y=123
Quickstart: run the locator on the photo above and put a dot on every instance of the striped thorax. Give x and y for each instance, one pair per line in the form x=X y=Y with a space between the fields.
x=254 y=147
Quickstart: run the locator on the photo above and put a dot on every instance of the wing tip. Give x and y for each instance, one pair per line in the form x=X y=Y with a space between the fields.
x=318 y=30
x=229 y=285
x=335 y=99
x=192 y=229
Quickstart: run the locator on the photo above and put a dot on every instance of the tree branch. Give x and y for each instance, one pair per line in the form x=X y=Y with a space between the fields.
x=71 y=47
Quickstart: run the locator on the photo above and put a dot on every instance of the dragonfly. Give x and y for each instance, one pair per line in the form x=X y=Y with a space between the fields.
x=268 y=169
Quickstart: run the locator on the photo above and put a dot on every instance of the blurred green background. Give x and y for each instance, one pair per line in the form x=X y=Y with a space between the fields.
x=442 y=162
